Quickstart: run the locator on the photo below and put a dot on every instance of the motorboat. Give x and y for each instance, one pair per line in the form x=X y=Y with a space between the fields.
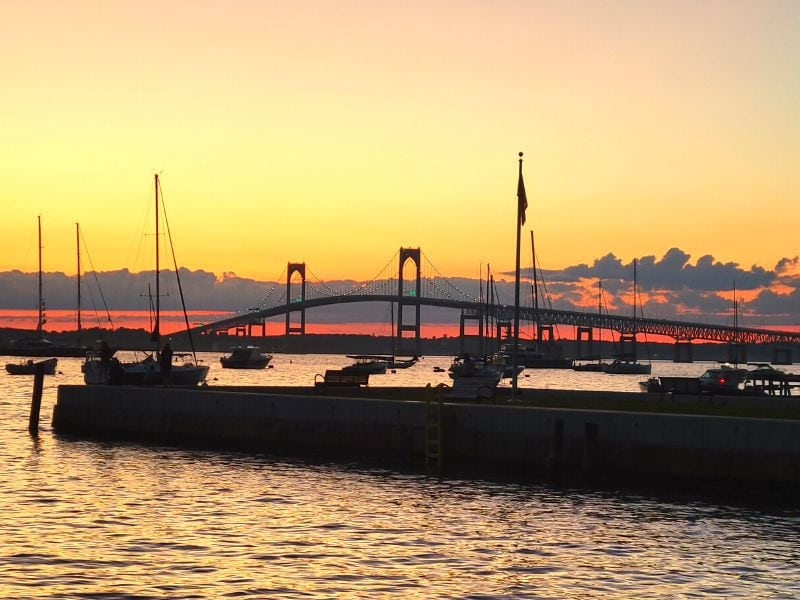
x=473 y=378
x=245 y=357
x=31 y=367
x=367 y=363
x=402 y=363
x=595 y=367
x=503 y=363
x=532 y=358
x=625 y=366
x=465 y=366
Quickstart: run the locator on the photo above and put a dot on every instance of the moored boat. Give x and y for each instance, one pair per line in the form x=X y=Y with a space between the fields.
x=596 y=367
x=532 y=358
x=36 y=345
x=367 y=363
x=473 y=378
x=158 y=367
x=30 y=367
x=245 y=357
x=625 y=366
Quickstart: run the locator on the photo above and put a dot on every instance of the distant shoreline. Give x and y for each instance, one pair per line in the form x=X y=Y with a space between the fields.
x=351 y=343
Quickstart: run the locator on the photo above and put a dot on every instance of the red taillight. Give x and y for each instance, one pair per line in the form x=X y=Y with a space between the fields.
x=721 y=380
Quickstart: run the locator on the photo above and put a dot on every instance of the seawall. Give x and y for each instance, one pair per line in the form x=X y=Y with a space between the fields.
x=733 y=452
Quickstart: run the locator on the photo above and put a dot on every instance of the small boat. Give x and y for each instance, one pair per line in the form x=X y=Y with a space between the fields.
x=29 y=367
x=245 y=357
x=531 y=358
x=596 y=367
x=626 y=363
x=502 y=363
x=624 y=366
x=367 y=363
x=464 y=366
x=473 y=378
x=725 y=380
x=402 y=363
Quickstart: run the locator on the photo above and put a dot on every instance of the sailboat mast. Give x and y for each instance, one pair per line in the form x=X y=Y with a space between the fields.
x=489 y=311
x=78 y=243
x=535 y=291
x=157 y=331
x=735 y=345
x=600 y=313
x=40 y=323
x=634 y=299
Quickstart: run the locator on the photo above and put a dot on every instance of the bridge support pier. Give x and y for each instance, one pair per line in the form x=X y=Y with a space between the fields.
x=462 y=337
x=627 y=345
x=291 y=269
x=683 y=352
x=411 y=300
x=584 y=335
x=503 y=331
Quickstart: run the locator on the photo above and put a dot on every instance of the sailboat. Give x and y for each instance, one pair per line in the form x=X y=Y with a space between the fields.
x=37 y=345
x=102 y=368
x=626 y=363
x=538 y=354
x=594 y=366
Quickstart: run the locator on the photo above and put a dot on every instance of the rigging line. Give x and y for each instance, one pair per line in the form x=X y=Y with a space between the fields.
x=544 y=288
x=94 y=306
x=275 y=285
x=442 y=277
x=177 y=274
x=641 y=314
x=97 y=281
x=323 y=284
x=376 y=276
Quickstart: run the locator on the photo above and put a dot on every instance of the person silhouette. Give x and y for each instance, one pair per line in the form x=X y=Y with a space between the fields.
x=165 y=362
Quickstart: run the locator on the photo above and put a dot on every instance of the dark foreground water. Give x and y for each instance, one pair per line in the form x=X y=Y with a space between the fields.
x=84 y=519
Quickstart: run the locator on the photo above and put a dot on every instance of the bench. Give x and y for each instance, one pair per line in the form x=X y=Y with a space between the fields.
x=338 y=378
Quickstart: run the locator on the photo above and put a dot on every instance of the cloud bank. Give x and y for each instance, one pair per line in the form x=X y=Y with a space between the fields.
x=672 y=286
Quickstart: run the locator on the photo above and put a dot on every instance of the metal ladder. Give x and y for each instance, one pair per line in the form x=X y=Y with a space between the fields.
x=433 y=428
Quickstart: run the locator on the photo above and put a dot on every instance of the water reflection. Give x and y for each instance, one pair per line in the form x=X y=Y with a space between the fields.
x=82 y=518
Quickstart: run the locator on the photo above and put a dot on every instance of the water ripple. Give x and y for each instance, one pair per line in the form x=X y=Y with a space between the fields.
x=81 y=519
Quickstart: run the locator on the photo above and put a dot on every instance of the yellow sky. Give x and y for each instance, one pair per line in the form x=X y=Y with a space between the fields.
x=336 y=132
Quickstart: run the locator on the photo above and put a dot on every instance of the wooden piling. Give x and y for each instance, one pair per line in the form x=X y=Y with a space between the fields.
x=36 y=401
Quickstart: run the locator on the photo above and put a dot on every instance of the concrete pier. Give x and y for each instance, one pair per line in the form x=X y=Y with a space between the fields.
x=734 y=452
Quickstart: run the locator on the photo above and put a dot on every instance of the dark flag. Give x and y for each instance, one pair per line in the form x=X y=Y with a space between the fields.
x=521 y=197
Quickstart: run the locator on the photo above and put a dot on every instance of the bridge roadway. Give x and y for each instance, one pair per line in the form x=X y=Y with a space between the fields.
x=678 y=330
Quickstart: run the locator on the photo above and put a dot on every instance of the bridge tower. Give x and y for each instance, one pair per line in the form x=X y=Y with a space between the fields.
x=291 y=269
x=408 y=298
x=584 y=336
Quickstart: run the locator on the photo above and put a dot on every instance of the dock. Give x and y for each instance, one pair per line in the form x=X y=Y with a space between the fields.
x=553 y=433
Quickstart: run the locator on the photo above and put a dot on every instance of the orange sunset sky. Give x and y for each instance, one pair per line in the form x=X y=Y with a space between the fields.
x=335 y=132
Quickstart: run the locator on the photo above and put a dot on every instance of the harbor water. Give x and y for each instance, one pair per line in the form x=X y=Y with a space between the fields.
x=100 y=519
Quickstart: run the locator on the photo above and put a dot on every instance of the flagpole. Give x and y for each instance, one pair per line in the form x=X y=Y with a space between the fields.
x=522 y=204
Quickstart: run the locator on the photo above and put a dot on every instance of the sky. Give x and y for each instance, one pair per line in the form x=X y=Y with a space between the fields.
x=333 y=133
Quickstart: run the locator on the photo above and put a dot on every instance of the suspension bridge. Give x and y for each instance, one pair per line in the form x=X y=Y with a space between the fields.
x=428 y=287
